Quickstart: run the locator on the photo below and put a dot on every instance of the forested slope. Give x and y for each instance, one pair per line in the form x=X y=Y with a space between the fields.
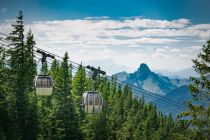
x=26 y=116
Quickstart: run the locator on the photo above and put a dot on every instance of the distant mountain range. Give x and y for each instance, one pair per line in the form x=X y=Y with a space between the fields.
x=146 y=79
x=185 y=73
x=180 y=94
x=173 y=88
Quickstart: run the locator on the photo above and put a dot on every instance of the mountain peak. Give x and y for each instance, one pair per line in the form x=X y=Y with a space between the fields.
x=143 y=71
x=144 y=68
x=146 y=79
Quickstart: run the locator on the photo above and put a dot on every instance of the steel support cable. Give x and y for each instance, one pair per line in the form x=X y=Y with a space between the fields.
x=139 y=89
x=146 y=96
x=36 y=57
x=142 y=90
x=160 y=103
x=159 y=97
x=57 y=60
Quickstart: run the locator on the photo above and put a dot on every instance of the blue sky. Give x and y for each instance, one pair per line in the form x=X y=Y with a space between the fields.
x=118 y=35
x=195 y=10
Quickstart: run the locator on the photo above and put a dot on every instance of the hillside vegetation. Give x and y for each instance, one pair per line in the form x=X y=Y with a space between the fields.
x=26 y=116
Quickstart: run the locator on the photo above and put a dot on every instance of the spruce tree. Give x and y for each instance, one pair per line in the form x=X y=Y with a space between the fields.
x=67 y=122
x=78 y=88
x=30 y=73
x=30 y=62
x=17 y=63
x=199 y=108
x=60 y=116
x=7 y=99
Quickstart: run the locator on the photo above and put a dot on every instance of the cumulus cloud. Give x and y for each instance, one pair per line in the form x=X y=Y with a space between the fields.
x=163 y=44
x=175 y=50
x=200 y=27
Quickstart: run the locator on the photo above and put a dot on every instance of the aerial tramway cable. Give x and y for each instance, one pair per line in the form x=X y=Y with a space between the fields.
x=148 y=94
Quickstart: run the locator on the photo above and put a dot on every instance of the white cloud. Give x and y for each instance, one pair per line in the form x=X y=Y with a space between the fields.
x=150 y=23
x=5 y=28
x=175 y=50
x=200 y=27
x=161 y=50
x=162 y=44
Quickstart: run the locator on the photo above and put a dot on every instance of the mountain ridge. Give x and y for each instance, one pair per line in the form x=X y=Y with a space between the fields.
x=146 y=79
x=181 y=74
x=170 y=88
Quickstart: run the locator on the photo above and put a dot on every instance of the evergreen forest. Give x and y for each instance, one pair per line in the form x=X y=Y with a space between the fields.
x=27 y=116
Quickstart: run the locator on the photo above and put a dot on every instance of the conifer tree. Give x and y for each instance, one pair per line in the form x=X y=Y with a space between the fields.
x=78 y=88
x=17 y=63
x=60 y=116
x=7 y=105
x=30 y=73
x=78 y=82
x=67 y=123
x=54 y=69
x=23 y=68
x=199 y=108
x=30 y=63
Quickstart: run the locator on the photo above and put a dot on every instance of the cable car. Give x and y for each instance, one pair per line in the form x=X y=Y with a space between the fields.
x=44 y=85
x=92 y=102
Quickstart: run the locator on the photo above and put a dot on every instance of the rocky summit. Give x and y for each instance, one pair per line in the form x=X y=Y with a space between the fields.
x=146 y=79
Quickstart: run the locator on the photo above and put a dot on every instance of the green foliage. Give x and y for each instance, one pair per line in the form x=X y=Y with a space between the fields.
x=24 y=115
x=78 y=88
x=7 y=99
x=199 y=108
x=18 y=72
x=78 y=85
x=65 y=111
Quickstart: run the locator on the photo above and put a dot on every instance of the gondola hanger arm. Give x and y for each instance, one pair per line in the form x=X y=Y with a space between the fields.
x=44 y=55
x=96 y=71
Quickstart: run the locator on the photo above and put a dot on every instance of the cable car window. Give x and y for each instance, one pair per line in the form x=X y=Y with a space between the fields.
x=96 y=99
x=90 y=99
x=49 y=81
x=38 y=82
x=44 y=83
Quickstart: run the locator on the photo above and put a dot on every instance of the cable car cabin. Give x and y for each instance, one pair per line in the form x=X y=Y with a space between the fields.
x=43 y=85
x=92 y=102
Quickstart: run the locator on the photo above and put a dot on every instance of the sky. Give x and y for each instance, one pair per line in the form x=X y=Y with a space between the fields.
x=117 y=35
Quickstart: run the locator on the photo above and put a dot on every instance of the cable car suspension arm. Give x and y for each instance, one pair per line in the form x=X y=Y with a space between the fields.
x=44 y=55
